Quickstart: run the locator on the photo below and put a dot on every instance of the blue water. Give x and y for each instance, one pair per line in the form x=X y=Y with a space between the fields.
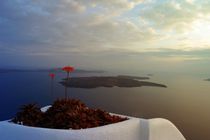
x=185 y=102
x=18 y=88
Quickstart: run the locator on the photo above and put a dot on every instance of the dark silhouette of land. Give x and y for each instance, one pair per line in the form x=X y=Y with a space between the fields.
x=133 y=77
x=207 y=79
x=109 y=81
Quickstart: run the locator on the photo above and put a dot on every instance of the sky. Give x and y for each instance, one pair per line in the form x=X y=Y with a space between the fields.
x=162 y=35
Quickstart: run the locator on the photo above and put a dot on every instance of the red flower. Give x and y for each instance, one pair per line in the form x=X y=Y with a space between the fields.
x=68 y=69
x=52 y=75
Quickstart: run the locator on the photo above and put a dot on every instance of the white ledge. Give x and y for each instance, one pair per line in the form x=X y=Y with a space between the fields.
x=132 y=129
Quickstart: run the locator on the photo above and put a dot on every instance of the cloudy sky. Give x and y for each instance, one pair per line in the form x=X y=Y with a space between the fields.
x=106 y=34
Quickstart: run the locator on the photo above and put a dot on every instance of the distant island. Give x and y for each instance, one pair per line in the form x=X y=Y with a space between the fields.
x=149 y=74
x=207 y=79
x=109 y=81
x=133 y=77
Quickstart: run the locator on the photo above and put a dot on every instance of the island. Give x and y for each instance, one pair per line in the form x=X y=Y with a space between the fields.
x=150 y=74
x=133 y=77
x=207 y=79
x=108 y=81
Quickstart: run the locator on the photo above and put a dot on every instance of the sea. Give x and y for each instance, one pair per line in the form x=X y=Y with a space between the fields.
x=185 y=101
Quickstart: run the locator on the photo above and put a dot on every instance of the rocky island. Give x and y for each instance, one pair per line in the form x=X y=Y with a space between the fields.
x=207 y=79
x=109 y=81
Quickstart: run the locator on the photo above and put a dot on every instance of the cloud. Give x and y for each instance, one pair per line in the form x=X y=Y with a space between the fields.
x=68 y=24
x=174 y=15
x=190 y=1
x=170 y=15
x=86 y=28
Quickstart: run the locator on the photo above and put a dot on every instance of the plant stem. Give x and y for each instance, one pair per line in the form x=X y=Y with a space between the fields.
x=67 y=81
x=52 y=88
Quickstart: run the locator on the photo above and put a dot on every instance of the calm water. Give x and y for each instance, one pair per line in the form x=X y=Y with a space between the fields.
x=185 y=102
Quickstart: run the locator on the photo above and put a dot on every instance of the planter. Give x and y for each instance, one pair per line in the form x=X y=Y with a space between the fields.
x=131 y=129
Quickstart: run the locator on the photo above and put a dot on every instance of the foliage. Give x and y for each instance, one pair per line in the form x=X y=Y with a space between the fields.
x=65 y=114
